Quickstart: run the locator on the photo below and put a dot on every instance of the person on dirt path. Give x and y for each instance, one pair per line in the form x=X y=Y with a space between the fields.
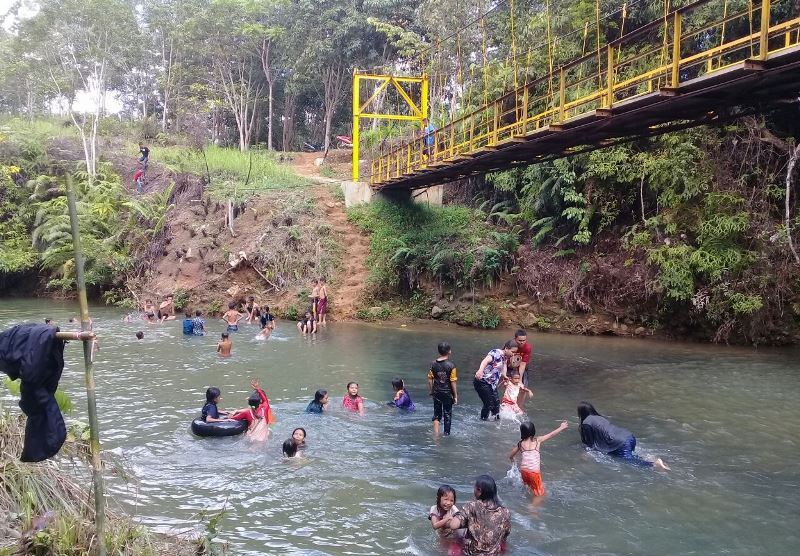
x=322 y=302
x=138 y=180
x=144 y=157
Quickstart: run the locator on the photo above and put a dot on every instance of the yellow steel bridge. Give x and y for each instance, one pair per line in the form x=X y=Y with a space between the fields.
x=695 y=65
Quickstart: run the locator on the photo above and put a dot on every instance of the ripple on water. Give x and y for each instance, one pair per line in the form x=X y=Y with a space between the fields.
x=721 y=417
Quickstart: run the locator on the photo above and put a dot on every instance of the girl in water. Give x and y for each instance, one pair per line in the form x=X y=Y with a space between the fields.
x=513 y=388
x=352 y=401
x=317 y=405
x=258 y=414
x=401 y=398
x=487 y=521
x=299 y=437
x=528 y=447
x=598 y=433
x=445 y=509
x=491 y=372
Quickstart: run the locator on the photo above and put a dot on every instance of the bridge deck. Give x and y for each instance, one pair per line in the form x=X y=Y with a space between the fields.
x=490 y=140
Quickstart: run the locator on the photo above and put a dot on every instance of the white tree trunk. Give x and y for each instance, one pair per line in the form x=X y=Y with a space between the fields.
x=269 y=119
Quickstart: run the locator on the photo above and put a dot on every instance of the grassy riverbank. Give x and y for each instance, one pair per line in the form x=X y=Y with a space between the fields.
x=45 y=509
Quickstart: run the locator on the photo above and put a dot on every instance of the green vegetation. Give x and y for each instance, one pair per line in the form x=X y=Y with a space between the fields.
x=453 y=245
x=34 y=224
x=230 y=169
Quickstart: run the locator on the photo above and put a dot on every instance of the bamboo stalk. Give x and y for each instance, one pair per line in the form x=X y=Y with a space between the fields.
x=87 y=337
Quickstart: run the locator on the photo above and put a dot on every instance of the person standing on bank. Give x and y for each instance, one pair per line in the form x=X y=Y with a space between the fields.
x=491 y=372
x=442 y=378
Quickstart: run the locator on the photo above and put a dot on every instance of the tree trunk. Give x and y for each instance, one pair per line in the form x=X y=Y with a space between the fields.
x=788 y=215
x=269 y=118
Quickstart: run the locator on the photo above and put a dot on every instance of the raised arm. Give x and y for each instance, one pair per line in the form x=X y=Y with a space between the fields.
x=552 y=433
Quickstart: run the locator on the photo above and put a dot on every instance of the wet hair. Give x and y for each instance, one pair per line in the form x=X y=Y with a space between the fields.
x=198 y=313
x=314 y=281
x=139 y=335
x=519 y=333
x=398 y=384
x=513 y=373
x=584 y=410
x=48 y=321
x=231 y=305
x=254 y=400
x=349 y=384
x=299 y=429
x=319 y=394
x=488 y=488
x=224 y=335
x=444 y=348
x=527 y=430
x=322 y=279
x=289 y=448
x=187 y=312
x=212 y=394
x=444 y=489
x=511 y=344
x=265 y=308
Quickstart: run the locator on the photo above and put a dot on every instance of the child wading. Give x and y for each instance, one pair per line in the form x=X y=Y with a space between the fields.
x=442 y=380
x=352 y=401
x=530 y=464
x=258 y=415
x=401 y=399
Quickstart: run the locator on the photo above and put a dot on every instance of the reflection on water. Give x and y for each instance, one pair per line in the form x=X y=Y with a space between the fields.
x=723 y=418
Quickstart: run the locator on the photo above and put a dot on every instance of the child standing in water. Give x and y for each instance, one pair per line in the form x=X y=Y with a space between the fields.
x=401 y=398
x=513 y=388
x=224 y=346
x=259 y=413
x=352 y=401
x=530 y=464
x=442 y=379
x=232 y=317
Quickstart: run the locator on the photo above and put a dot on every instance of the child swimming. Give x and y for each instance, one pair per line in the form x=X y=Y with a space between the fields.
x=290 y=448
x=352 y=401
x=299 y=437
x=210 y=413
x=317 y=405
x=530 y=464
x=401 y=399
x=444 y=509
x=513 y=387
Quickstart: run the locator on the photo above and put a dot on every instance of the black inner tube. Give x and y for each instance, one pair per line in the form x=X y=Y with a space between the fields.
x=218 y=428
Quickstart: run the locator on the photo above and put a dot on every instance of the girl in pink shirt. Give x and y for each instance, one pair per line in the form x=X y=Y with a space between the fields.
x=352 y=401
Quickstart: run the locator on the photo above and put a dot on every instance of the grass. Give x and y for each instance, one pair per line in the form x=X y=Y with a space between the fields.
x=56 y=501
x=39 y=129
x=229 y=168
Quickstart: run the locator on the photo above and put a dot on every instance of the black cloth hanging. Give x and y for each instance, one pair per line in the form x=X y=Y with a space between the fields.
x=32 y=353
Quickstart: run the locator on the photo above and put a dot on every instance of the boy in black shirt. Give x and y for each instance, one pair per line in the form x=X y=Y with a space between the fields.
x=442 y=384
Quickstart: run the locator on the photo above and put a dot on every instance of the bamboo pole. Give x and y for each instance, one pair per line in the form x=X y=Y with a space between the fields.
x=87 y=337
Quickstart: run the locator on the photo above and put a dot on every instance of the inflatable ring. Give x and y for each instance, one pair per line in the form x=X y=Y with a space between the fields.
x=218 y=428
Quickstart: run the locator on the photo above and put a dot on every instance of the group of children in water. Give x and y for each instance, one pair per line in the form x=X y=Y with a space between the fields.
x=481 y=525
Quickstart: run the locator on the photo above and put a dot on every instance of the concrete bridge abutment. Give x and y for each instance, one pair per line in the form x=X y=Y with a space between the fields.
x=358 y=193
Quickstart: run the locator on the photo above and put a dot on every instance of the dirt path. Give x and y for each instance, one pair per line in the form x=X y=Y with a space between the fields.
x=347 y=290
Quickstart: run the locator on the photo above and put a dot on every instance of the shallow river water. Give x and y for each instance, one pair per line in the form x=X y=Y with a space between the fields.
x=725 y=419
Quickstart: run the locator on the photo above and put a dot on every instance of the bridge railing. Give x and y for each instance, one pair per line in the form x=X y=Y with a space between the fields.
x=702 y=38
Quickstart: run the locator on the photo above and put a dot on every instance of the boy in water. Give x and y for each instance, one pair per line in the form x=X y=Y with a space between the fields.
x=232 y=317
x=322 y=303
x=188 y=322
x=224 y=346
x=252 y=310
x=267 y=318
x=140 y=335
x=166 y=310
x=442 y=379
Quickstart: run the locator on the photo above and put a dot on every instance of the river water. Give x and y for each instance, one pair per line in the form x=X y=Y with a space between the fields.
x=725 y=419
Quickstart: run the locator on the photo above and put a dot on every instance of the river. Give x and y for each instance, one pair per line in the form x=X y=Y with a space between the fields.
x=723 y=418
